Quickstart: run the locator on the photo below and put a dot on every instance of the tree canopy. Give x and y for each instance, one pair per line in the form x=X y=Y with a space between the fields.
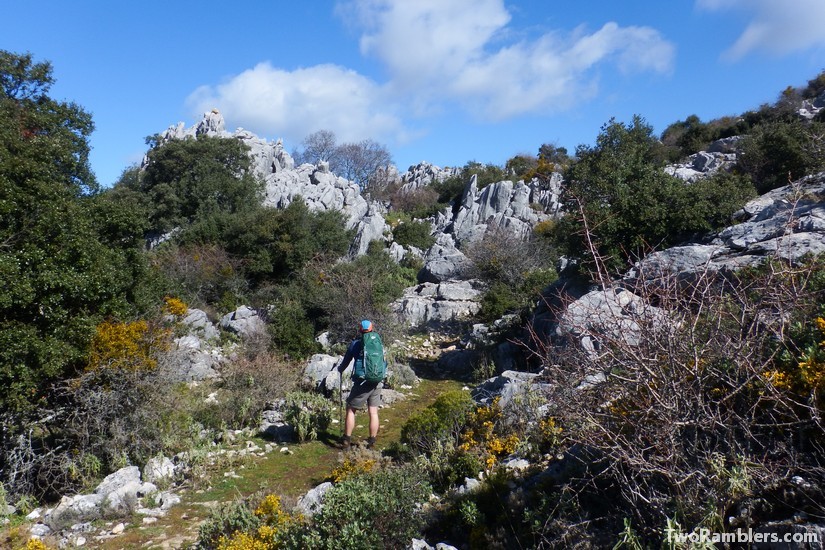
x=59 y=271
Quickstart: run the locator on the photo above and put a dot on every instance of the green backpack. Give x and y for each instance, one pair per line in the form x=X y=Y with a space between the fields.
x=375 y=368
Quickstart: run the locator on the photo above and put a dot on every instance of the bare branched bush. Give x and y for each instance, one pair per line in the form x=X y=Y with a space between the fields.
x=248 y=384
x=690 y=395
x=206 y=274
x=680 y=403
x=503 y=256
x=423 y=200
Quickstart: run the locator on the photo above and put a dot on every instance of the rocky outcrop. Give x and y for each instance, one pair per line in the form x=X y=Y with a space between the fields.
x=438 y=303
x=267 y=157
x=810 y=108
x=320 y=189
x=244 y=321
x=424 y=174
x=118 y=495
x=443 y=261
x=514 y=207
x=786 y=223
x=702 y=165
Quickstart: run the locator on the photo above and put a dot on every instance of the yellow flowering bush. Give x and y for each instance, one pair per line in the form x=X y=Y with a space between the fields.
x=126 y=346
x=175 y=306
x=272 y=518
x=36 y=544
x=806 y=373
x=352 y=467
x=485 y=434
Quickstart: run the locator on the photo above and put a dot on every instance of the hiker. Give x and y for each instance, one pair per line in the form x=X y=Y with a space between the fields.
x=367 y=380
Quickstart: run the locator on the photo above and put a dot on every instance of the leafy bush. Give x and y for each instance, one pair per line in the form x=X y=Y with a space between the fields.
x=293 y=333
x=780 y=152
x=195 y=181
x=379 y=509
x=624 y=205
x=132 y=346
x=309 y=413
x=224 y=522
x=441 y=421
x=415 y=233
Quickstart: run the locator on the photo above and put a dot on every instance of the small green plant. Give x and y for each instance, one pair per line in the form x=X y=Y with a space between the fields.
x=308 y=413
x=470 y=514
x=4 y=505
x=226 y=520
x=439 y=422
x=628 y=538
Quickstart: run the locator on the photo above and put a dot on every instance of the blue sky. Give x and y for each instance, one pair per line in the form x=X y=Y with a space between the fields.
x=446 y=81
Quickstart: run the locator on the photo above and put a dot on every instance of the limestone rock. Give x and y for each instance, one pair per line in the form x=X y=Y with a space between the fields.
x=244 y=321
x=158 y=470
x=432 y=304
x=312 y=501
x=443 y=261
x=72 y=510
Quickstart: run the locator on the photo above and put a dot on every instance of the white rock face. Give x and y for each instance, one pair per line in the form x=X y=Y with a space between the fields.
x=514 y=207
x=158 y=470
x=244 y=321
x=788 y=223
x=434 y=303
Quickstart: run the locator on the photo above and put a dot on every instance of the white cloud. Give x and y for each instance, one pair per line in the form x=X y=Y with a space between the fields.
x=437 y=53
x=291 y=104
x=778 y=28
x=451 y=50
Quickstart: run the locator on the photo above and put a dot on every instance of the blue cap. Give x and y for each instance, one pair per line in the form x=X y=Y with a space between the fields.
x=366 y=326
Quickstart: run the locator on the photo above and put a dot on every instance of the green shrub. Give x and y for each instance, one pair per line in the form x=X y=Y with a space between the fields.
x=415 y=233
x=440 y=422
x=309 y=413
x=224 y=521
x=379 y=509
x=293 y=333
x=780 y=152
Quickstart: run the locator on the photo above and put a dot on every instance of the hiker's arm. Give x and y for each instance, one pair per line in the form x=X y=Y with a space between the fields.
x=347 y=358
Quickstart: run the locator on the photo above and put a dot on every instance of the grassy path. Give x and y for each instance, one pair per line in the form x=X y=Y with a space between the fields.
x=289 y=474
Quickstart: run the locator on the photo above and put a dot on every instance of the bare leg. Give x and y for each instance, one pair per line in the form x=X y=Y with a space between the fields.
x=373 y=421
x=349 y=424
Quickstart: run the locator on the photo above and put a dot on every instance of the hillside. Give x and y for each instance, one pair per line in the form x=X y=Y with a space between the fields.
x=617 y=347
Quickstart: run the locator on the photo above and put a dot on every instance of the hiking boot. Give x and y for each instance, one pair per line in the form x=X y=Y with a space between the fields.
x=370 y=442
x=346 y=443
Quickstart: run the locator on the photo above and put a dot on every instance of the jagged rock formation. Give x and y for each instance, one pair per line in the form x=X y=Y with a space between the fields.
x=811 y=107
x=424 y=174
x=514 y=207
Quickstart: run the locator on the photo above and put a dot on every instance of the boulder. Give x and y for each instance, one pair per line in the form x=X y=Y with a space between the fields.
x=433 y=304
x=198 y=324
x=615 y=315
x=244 y=321
x=312 y=501
x=443 y=261
x=75 y=509
x=159 y=470
x=321 y=373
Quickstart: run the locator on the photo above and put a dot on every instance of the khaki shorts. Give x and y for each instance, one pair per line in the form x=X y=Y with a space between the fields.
x=364 y=393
